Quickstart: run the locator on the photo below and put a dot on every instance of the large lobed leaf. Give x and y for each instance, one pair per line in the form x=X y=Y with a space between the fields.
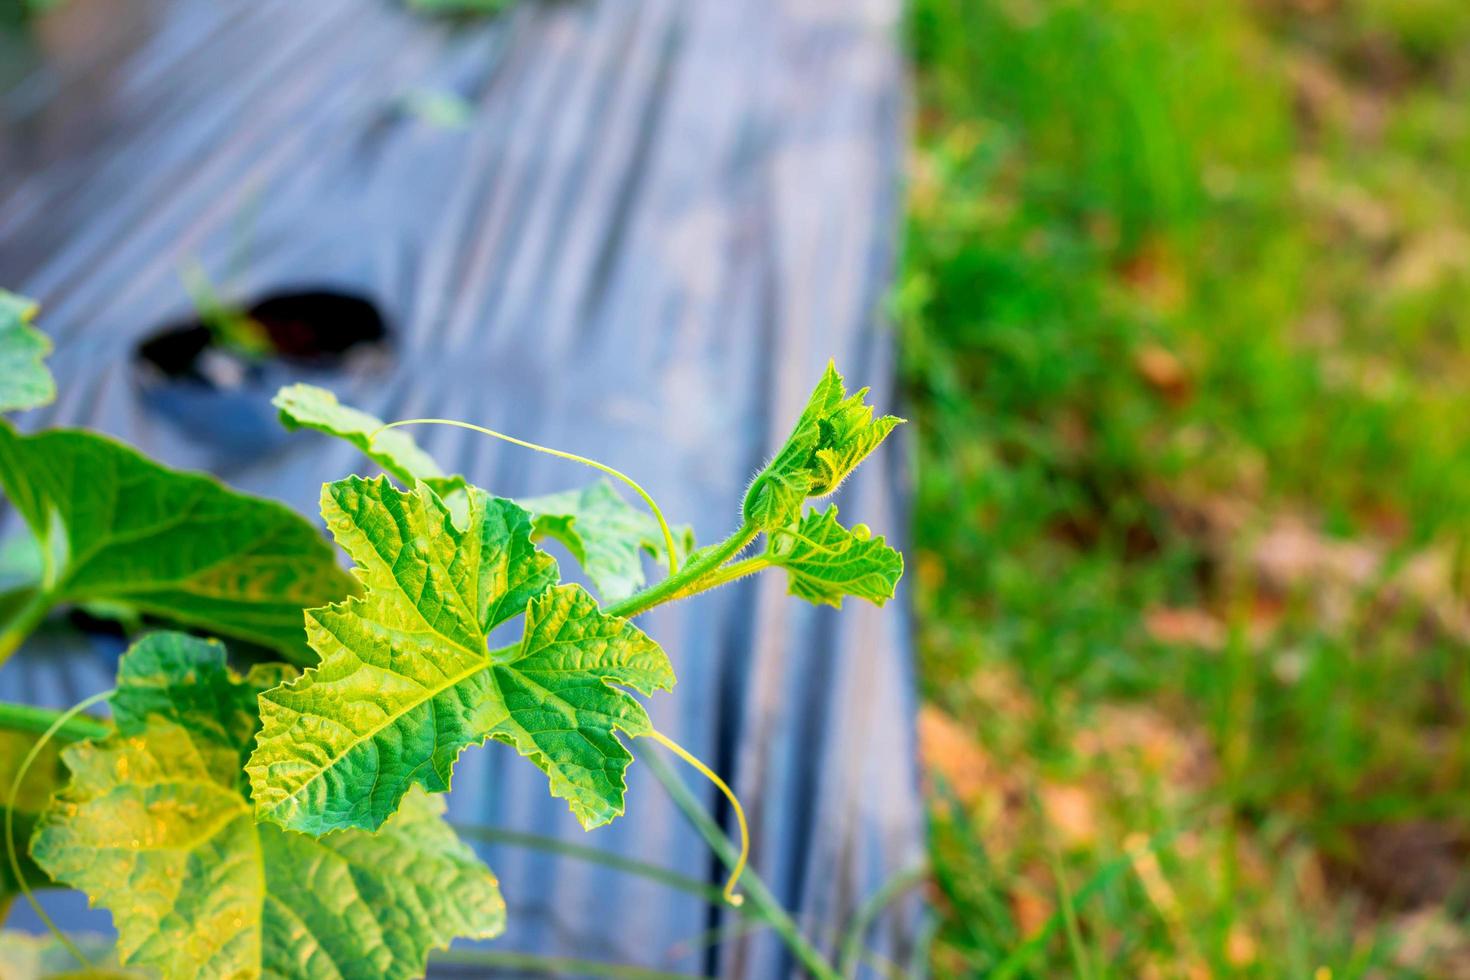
x=827 y=561
x=24 y=380
x=155 y=828
x=117 y=529
x=406 y=679
x=834 y=433
x=607 y=535
x=187 y=681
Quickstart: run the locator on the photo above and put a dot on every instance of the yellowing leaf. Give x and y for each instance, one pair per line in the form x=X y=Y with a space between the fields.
x=187 y=681
x=153 y=829
x=834 y=433
x=406 y=679
x=24 y=380
x=120 y=530
x=826 y=561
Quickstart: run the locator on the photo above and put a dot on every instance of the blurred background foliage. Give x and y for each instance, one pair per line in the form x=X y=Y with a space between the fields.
x=1185 y=320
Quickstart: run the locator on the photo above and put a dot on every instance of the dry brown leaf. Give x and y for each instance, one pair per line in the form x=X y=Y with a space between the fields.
x=1185 y=626
x=1070 y=810
x=952 y=752
x=1164 y=372
x=1031 y=909
x=1241 y=948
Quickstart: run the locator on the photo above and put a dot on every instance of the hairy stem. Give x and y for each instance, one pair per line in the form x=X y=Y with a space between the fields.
x=687 y=580
x=759 y=897
x=725 y=575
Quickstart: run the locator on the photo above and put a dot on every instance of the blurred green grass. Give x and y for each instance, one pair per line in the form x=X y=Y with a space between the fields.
x=1185 y=326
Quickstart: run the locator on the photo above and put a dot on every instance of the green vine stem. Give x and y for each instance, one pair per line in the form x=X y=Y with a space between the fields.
x=551 y=965
x=57 y=725
x=725 y=575
x=688 y=580
x=24 y=622
x=593 y=855
x=759 y=897
x=868 y=912
x=38 y=721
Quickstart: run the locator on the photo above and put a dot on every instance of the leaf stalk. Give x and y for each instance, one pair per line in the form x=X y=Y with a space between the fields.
x=24 y=623
x=10 y=852
x=38 y=721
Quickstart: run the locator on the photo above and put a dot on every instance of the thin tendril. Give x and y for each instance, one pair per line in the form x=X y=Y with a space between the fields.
x=708 y=773
x=647 y=498
x=25 y=766
x=807 y=541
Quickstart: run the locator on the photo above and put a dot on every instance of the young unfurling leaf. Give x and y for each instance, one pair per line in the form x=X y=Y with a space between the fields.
x=120 y=530
x=827 y=561
x=24 y=380
x=607 y=535
x=406 y=680
x=155 y=829
x=835 y=432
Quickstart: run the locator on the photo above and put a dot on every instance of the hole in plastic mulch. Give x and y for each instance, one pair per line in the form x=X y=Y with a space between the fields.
x=213 y=378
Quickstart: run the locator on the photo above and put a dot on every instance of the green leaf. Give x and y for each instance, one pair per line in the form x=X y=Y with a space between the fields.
x=826 y=561
x=834 y=433
x=441 y=108
x=553 y=701
x=310 y=407
x=607 y=535
x=24 y=380
x=406 y=680
x=152 y=827
x=119 y=530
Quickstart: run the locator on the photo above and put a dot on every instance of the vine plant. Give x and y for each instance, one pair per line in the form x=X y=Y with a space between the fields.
x=285 y=821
